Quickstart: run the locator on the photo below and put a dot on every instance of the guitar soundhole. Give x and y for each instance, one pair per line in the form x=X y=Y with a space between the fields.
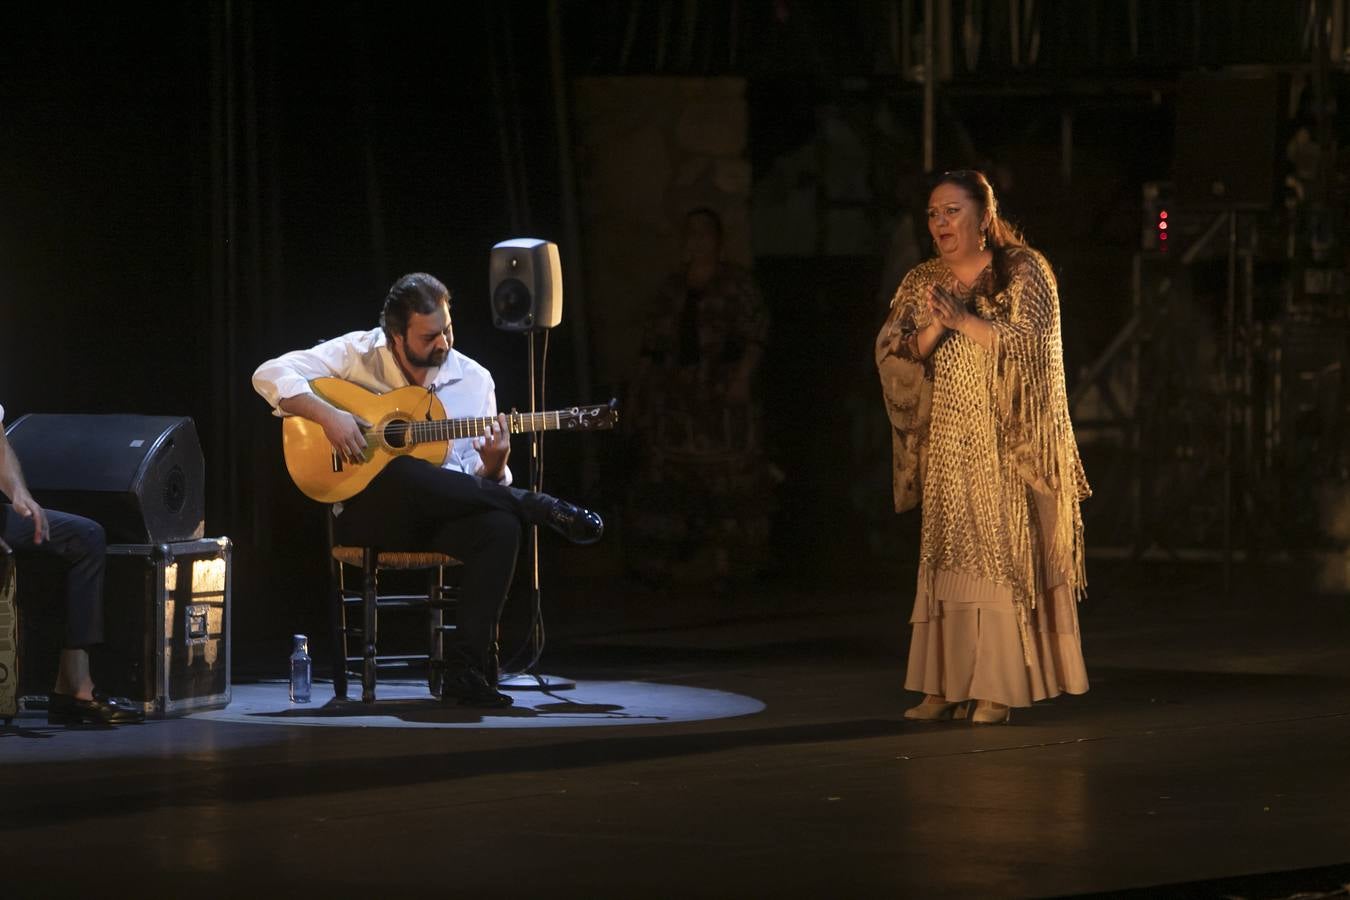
x=396 y=434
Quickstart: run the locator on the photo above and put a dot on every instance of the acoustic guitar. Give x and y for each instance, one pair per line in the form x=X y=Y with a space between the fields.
x=406 y=421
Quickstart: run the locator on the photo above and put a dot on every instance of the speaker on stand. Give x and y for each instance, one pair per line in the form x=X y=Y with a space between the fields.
x=526 y=290
x=525 y=279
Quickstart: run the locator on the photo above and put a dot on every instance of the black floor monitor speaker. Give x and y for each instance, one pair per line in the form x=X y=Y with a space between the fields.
x=141 y=477
x=1228 y=126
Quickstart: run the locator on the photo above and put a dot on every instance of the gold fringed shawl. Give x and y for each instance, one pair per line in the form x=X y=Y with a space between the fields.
x=907 y=388
x=1032 y=403
x=991 y=424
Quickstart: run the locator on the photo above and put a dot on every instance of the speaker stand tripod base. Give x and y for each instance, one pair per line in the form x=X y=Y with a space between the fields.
x=531 y=681
x=527 y=679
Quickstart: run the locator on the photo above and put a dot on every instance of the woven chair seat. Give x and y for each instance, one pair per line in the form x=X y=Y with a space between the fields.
x=354 y=556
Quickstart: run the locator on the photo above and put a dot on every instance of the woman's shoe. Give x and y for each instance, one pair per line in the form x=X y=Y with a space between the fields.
x=933 y=709
x=987 y=712
x=66 y=709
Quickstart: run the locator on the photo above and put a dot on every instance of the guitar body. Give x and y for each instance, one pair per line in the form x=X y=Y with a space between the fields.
x=310 y=458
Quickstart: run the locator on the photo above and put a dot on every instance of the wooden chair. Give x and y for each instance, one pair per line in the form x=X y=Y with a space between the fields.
x=10 y=636
x=435 y=601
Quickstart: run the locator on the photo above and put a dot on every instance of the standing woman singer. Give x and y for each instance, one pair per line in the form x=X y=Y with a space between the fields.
x=972 y=369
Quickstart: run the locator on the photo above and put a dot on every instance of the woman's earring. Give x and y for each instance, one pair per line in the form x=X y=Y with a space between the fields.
x=982 y=241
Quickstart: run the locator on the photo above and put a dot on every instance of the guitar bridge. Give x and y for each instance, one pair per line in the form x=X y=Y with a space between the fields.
x=337 y=462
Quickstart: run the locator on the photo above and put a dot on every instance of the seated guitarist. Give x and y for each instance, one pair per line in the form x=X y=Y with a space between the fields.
x=79 y=543
x=465 y=507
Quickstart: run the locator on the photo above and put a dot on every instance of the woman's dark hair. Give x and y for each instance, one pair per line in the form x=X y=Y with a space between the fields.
x=415 y=293
x=1001 y=236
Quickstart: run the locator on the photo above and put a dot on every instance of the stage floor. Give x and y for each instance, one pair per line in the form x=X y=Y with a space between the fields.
x=1212 y=748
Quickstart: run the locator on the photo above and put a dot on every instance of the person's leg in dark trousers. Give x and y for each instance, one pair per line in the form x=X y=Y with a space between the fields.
x=487 y=543
x=412 y=504
x=79 y=543
x=410 y=487
x=413 y=488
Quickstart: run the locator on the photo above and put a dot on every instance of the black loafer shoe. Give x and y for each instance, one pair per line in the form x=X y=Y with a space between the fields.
x=66 y=709
x=580 y=526
x=468 y=687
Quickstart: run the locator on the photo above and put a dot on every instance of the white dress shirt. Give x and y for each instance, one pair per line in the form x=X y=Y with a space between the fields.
x=364 y=358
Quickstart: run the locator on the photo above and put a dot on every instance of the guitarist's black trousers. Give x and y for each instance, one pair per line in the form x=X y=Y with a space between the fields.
x=414 y=505
x=79 y=543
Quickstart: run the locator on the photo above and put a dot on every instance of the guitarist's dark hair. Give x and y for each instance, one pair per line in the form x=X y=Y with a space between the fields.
x=415 y=293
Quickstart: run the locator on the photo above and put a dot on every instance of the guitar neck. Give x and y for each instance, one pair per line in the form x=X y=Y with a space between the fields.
x=456 y=429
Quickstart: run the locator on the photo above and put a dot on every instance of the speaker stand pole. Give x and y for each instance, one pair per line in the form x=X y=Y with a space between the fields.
x=527 y=679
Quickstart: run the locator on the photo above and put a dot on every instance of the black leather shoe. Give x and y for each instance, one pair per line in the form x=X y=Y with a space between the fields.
x=465 y=684
x=469 y=688
x=66 y=709
x=580 y=526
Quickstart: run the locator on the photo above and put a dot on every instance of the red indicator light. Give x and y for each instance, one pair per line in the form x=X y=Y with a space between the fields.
x=1163 y=214
x=1162 y=226
x=1163 y=236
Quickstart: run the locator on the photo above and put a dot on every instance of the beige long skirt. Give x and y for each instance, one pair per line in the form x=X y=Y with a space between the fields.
x=965 y=644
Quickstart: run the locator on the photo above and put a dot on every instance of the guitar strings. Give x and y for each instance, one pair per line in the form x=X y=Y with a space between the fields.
x=458 y=429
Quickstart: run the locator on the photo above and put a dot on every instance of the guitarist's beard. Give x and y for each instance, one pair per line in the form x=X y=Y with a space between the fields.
x=432 y=360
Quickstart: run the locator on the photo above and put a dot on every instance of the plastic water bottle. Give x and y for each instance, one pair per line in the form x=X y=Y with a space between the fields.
x=302 y=668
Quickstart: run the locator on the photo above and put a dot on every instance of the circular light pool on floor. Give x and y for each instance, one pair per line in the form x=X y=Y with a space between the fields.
x=407 y=704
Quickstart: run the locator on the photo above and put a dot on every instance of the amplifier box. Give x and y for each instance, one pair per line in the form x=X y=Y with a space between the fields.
x=167 y=626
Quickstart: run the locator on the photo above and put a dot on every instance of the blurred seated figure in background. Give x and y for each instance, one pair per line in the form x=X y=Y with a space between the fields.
x=700 y=498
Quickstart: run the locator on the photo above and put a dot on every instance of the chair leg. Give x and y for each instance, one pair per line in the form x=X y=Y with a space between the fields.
x=436 y=650
x=338 y=624
x=369 y=592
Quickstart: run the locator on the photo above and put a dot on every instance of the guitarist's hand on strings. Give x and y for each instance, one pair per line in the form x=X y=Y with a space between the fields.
x=493 y=448
x=344 y=433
